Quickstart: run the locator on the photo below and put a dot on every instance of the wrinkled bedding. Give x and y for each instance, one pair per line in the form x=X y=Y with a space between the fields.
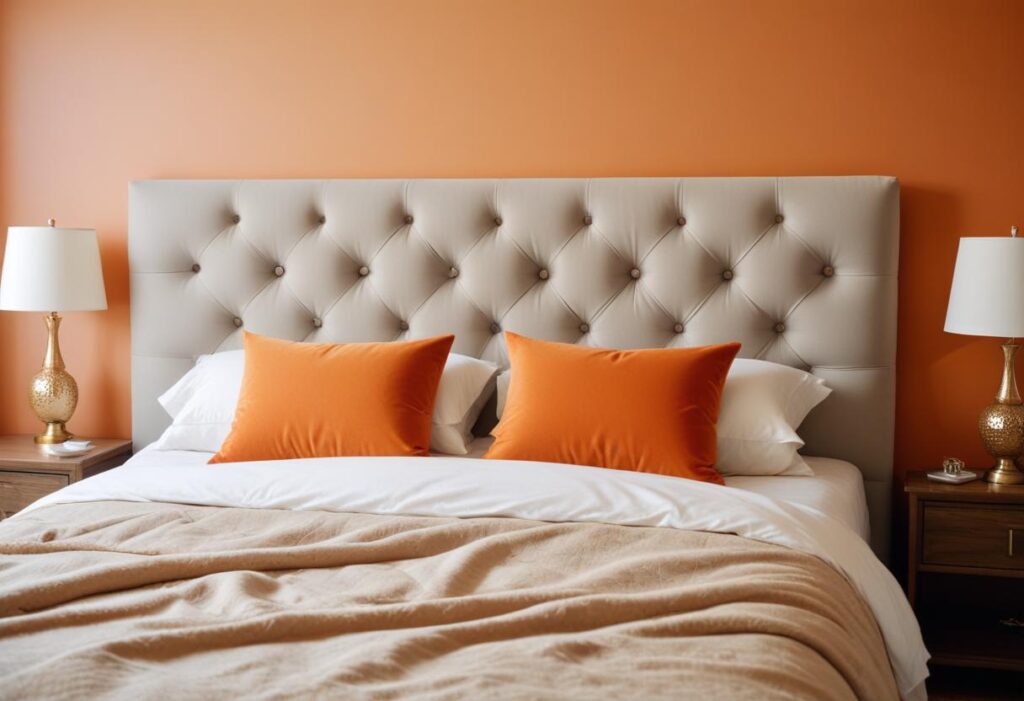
x=441 y=578
x=143 y=600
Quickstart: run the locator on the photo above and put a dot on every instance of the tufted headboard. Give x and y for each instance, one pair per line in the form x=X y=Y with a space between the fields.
x=802 y=271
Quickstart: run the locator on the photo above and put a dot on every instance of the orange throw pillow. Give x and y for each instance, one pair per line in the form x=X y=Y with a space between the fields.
x=314 y=400
x=643 y=410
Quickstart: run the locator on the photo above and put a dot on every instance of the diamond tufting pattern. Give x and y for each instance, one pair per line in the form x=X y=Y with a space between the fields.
x=802 y=271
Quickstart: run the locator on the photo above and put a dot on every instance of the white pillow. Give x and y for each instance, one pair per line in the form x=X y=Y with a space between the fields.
x=466 y=385
x=763 y=404
x=202 y=403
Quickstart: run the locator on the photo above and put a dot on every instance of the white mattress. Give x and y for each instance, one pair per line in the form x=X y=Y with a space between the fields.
x=836 y=489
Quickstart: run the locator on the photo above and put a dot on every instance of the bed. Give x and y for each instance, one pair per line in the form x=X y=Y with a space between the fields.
x=447 y=577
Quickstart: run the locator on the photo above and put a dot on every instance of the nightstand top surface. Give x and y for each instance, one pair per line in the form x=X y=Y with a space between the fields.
x=978 y=490
x=21 y=451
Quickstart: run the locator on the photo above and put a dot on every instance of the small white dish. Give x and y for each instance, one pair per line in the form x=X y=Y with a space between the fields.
x=68 y=449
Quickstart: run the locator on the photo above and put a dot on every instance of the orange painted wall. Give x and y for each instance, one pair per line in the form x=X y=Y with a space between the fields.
x=95 y=94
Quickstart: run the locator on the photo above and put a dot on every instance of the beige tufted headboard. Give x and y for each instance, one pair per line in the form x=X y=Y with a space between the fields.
x=800 y=270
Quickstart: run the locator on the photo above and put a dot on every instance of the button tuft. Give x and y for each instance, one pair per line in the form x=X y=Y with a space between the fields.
x=828 y=271
x=408 y=219
x=364 y=271
x=780 y=327
x=678 y=328
x=588 y=220
x=498 y=221
x=495 y=327
x=278 y=270
x=681 y=221
x=779 y=218
x=235 y=219
x=196 y=267
x=453 y=273
x=403 y=325
x=635 y=273
x=584 y=327
x=728 y=274
x=237 y=322
x=321 y=219
x=543 y=274
x=317 y=322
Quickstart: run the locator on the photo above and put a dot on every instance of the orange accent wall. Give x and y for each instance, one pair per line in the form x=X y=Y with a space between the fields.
x=95 y=94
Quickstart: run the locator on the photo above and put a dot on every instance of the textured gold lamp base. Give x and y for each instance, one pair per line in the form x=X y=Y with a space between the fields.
x=1002 y=425
x=54 y=392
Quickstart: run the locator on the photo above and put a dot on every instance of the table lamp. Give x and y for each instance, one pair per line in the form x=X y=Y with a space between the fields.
x=50 y=269
x=987 y=299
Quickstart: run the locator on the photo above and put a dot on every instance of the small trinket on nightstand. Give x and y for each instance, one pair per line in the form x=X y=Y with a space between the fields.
x=953 y=472
x=68 y=449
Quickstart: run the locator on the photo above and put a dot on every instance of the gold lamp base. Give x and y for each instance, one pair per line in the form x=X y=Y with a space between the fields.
x=1005 y=472
x=54 y=433
x=1002 y=425
x=54 y=392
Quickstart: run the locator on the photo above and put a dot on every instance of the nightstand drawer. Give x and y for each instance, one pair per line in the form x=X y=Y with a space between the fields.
x=19 y=489
x=973 y=535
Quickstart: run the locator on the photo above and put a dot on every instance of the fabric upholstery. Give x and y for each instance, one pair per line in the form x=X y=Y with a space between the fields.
x=648 y=409
x=801 y=271
x=322 y=400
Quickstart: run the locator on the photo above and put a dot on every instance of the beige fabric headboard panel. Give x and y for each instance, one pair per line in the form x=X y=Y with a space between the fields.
x=800 y=270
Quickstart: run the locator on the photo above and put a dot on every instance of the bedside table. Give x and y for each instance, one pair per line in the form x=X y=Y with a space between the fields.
x=966 y=571
x=27 y=473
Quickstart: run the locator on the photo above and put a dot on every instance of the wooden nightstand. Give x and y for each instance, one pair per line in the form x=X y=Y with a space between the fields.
x=966 y=571
x=27 y=473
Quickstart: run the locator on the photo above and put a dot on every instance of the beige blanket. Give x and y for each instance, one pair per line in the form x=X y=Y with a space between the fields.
x=135 y=600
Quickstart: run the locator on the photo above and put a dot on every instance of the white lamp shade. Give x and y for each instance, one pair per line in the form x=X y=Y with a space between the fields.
x=47 y=269
x=987 y=296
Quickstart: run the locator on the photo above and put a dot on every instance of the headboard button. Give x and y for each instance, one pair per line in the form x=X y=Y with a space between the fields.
x=588 y=220
x=235 y=219
x=779 y=218
x=678 y=328
x=403 y=325
x=453 y=272
x=196 y=267
x=317 y=322
x=543 y=274
x=495 y=327
x=584 y=327
x=727 y=274
x=681 y=221
x=237 y=322
x=321 y=219
x=828 y=271
x=408 y=219
x=363 y=271
x=278 y=270
x=780 y=327
x=635 y=273
x=498 y=221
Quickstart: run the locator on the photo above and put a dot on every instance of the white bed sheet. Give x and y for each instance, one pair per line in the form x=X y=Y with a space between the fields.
x=836 y=489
